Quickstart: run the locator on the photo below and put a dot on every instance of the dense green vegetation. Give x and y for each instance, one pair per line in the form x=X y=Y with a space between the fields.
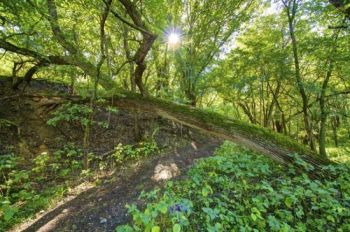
x=25 y=191
x=272 y=76
x=237 y=190
x=30 y=186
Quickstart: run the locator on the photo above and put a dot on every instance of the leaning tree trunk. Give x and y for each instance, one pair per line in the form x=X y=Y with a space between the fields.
x=273 y=145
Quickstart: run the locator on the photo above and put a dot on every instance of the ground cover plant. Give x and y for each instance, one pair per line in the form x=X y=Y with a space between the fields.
x=34 y=185
x=238 y=190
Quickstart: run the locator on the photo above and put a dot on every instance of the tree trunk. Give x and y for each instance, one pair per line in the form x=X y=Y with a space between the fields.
x=147 y=41
x=322 y=100
x=129 y=59
x=335 y=124
x=291 y=8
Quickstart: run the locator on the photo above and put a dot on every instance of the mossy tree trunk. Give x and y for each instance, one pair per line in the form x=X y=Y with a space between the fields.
x=271 y=144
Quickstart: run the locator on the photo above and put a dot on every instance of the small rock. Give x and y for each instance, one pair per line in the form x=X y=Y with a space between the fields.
x=103 y=220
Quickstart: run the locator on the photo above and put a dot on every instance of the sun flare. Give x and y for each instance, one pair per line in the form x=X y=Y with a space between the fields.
x=173 y=39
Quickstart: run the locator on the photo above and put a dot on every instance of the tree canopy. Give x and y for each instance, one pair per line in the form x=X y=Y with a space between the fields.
x=281 y=65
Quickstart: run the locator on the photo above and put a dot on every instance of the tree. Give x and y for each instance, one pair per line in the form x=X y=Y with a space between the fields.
x=291 y=7
x=203 y=39
x=50 y=33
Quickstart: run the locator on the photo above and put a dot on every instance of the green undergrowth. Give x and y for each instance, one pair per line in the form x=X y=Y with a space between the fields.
x=237 y=190
x=28 y=186
x=339 y=154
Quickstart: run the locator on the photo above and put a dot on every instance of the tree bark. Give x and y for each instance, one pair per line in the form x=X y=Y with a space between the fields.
x=147 y=41
x=291 y=8
x=335 y=125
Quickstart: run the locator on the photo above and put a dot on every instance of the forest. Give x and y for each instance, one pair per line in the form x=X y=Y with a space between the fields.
x=174 y=115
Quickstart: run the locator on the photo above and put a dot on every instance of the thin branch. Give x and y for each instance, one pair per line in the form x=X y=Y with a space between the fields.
x=29 y=75
x=339 y=27
x=345 y=92
x=121 y=67
x=22 y=51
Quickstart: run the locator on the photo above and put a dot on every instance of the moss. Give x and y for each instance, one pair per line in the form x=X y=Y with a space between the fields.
x=228 y=124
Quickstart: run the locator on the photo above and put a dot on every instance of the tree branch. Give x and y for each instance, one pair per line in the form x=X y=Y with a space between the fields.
x=146 y=44
x=127 y=22
x=22 y=51
x=53 y=20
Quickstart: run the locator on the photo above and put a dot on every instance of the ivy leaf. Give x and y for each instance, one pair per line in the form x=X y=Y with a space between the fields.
x=330 y=218
x=211 y=213
x=163 y=208
x=124 y=228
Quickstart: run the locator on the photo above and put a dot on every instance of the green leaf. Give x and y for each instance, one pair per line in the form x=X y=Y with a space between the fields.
x=330 y=218
x=289 y=202
x=273 y=223
x=206 y=190
x=176 y=228
x=8 y=212
x=163 y=208
x=155 y=229
x=253 y=216
x=124 y=228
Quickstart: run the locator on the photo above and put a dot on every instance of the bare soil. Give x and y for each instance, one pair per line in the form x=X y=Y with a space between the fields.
x=102 y=208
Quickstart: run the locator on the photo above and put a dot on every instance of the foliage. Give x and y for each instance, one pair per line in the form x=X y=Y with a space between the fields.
x=251 y=64
x=241 y=191
x=128 y=152
x=77 y=114
x=29 y=186
x=71 y=113
x=244 y=60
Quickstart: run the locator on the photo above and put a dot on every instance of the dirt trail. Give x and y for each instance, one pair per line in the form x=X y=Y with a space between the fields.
x=102 y=208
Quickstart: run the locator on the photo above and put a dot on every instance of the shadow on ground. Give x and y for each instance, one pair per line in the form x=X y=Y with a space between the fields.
x=102 y=208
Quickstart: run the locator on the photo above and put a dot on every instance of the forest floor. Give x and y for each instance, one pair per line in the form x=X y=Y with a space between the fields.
x=102 y=208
